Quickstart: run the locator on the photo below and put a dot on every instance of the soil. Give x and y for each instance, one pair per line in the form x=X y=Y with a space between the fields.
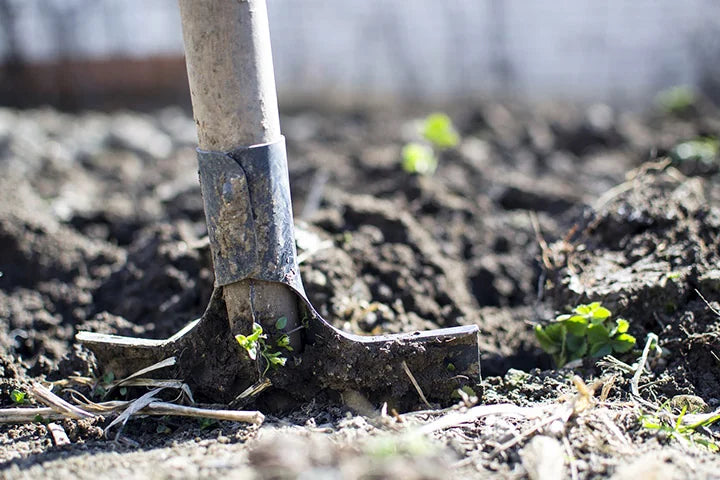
x=538 y=209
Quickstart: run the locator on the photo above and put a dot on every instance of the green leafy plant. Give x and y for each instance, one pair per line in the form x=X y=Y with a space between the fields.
x=104 y=383
x=703 y=149
x=677 y=430
x=588 y=331
x=40 y=419
x=284 y=342
x=18 y=397
x=467 y=390
x=206 y=423
x=419 y=158
x=281 y=323
x=256 y=343
x=251 y=343
x=677 y=100
x=438 y=133
x=438 y=129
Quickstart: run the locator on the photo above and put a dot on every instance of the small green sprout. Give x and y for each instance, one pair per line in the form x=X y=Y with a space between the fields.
x=588 y=331
x=18 y=397
x=419 y=158
x=256 y=343
x=305 y=321
x=466 y=389
x=284 y=342
x=40 y=419
x=274 y=360
x=251 y=342
x=703 y=149
x=687 y=434
x=438 y=133
x=676 y=100
x=206 y=423
x=438 y=129
x=281 y=323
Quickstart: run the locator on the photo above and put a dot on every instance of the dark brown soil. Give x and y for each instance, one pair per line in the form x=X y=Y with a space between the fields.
x=102 y=229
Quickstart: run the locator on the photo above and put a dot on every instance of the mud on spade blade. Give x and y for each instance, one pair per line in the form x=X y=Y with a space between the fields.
x=249 y=216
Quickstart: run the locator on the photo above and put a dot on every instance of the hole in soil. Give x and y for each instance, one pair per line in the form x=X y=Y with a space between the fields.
x=702 y=368
x=498 y=365
x=482 y=288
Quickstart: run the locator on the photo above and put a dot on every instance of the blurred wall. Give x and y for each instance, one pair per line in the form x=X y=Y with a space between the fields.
x=373 y=50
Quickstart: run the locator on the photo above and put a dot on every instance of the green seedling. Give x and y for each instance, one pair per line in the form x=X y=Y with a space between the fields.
x=251 y=343
x=687 y=434
x=281 y=323
x=588 y=331
x=466 y=390
x=438 y=129
x=273 y=360
x=419 y=158
x=104 y=384
x=677 y=100
x=284 y=342
x=703 y=149
x=18 y=397
x=255 y=344
x=438 y=133
x=206 y=423
x=40 y=419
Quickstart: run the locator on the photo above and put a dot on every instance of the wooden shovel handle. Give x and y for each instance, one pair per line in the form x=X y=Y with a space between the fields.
x=229 y=64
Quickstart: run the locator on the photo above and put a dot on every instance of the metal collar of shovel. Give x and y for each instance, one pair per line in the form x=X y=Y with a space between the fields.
x=249 y=216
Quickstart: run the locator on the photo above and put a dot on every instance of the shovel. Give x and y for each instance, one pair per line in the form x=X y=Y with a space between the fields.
x=260 y=331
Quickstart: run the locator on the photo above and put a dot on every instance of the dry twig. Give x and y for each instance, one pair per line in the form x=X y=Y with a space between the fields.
x=472 y=414
x=27 y=415
x=56 y=403
x=634 y=384
x=571 y=458
x=134 y=407
x=544 y=248
x=707 y=303
x=415 y=384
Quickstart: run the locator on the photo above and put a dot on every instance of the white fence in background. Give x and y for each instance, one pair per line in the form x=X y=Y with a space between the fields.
x=607 y=50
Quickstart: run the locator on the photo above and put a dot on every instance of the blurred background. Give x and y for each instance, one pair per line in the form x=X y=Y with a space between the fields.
x=110 y=53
